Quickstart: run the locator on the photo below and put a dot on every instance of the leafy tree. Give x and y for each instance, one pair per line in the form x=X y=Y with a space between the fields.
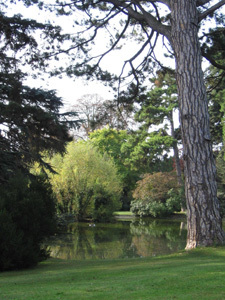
x=148 y=151
x=112 y=141
x=178 y=22
x=157 y=108
x=86 y=183
x=168 y=103
x=30 y=118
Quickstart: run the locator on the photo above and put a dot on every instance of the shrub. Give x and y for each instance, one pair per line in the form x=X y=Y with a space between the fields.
x=27 y=217
x=104 y=204
x=157 y=195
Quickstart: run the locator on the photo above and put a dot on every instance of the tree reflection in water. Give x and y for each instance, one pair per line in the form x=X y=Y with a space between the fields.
x=137 y=238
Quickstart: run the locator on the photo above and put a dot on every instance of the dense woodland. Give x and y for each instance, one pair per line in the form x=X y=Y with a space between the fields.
x=106 y=155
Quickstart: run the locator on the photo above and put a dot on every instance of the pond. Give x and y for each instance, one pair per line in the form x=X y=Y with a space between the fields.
x=122 y=239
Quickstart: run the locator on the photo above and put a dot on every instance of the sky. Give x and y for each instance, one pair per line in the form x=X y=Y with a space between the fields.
x=73 y=89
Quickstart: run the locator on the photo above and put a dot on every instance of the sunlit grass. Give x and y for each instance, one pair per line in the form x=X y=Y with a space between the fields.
x=198 y=274
x=123 y=213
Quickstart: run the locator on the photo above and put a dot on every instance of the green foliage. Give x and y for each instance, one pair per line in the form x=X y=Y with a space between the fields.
x=220 y=164
x=147 y=151
x=149 y=147
x=176 y=199
x=215 y=81
x=104 y=204
x=160 y=101
x=86 y=183
x=157 y=195
x=112 y=141
x=27 y=217
x=30 y=118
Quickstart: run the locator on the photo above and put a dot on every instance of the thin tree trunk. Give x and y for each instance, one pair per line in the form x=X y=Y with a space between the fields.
x=176 y=152
x=203 y=216
x=176 y=159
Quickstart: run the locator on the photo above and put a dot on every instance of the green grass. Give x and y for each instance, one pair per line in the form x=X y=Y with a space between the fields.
x=198 y=274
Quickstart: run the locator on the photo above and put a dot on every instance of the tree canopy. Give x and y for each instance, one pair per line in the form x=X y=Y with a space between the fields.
x=30 y=119
x=118 y=21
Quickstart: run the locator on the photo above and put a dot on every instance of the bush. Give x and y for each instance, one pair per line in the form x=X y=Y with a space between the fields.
x=157 y=195
x=104 y=204
x=27 y=217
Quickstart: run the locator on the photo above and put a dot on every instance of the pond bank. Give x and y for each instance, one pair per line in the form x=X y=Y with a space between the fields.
x=129 y=215
x=65 y=219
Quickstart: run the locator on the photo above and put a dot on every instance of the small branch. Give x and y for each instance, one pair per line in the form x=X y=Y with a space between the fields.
x=130 y=61
x=117 y=41
x=80 y=45
x=210 y=10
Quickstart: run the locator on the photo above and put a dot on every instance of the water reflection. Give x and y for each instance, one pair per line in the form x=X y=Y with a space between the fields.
x=122 y=239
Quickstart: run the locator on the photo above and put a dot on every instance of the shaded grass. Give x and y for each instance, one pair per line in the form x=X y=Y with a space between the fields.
x=198 y=274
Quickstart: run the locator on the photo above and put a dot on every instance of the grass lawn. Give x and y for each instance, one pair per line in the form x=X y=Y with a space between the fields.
x=123 y=213
x=198 y=274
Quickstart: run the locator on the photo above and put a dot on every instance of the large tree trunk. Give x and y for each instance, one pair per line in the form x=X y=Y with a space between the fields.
x=203 y=216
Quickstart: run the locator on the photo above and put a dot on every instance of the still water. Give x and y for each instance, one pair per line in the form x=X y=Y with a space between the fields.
x=123 y=239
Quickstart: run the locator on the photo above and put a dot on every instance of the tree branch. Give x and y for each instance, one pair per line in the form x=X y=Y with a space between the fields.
x=144 y=16
x=117 y=40
x=210 y=10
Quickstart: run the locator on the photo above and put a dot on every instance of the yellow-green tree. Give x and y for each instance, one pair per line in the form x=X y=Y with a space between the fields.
x=87 y=183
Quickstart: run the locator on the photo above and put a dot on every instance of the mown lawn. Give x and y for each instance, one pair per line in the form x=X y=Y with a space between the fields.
x=198 y=274
x=124 y=213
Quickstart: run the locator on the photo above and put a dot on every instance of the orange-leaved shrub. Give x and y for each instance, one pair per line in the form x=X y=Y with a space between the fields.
x=157 y=195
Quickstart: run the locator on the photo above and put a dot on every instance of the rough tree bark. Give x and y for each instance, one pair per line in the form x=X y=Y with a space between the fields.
x=203 y=217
